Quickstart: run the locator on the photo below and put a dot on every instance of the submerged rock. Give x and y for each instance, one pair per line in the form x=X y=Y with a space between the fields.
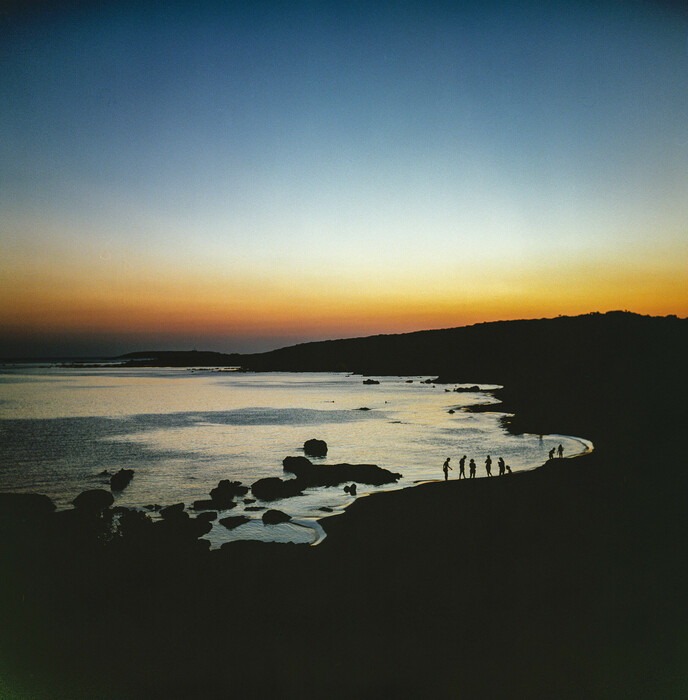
x=371 y=381
x=275 y=517
x=315 y=448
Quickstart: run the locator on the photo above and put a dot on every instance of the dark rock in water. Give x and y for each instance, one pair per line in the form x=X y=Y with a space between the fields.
x=234 y=521
x=461 y=389
x=350 y=489
x=326 y=509
x=207 y=515
x=363 y=408
x=409 y=381
x=205 y=504
x=173 y=511
x=105 y=472
x=121 y=479
x=225 y=492
x=296 y=464
x=152 y=506
x=254 y=508
x=451 y=410
x=309 y=474
x=93 y=500
x=249 y=500
x=315 y=448
x=272 y=488
x=275 y=517
x=371 y=381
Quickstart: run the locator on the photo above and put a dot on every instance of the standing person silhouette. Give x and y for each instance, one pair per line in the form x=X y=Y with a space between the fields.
x=471 y=468
x=501 y=464
x=560 y=451
x=446 y=468
x=462 y=467
x=488 y=465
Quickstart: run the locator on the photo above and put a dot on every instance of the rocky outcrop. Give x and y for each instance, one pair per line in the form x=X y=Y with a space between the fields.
x=121 y=479
x=275 y=517
x=173 y=511
x=310 y=474
x=93 y=500
x=24 y=506
x=234 y=521
x=273 y=488
x=315 y=448
x=225 y=492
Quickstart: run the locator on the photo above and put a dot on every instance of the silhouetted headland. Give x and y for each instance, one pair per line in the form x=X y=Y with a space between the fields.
x=567 y=581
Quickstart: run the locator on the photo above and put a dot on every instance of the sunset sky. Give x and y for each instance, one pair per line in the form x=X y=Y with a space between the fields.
x=242 y=176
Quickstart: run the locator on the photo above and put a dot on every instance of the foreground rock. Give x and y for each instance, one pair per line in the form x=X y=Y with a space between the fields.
x=93 y=500
x=315 y=448
x=275 y=517
x=273 y=488
x=19 y=507
x=310 y=474
x=121 y=479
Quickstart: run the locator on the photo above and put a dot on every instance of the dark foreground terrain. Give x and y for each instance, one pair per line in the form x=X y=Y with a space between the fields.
x=565 y=582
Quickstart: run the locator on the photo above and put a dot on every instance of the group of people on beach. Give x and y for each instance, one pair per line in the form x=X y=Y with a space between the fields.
x=559 y=452
x=503 y=468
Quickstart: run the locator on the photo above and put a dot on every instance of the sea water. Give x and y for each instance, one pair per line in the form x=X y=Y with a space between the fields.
x=183 y=430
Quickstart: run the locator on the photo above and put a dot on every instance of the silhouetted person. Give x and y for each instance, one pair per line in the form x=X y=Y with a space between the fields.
x=508 y=469
x=488 y=465
x=471 y=468
x=462 y=467
x=560 y=451
x=446 y=468
x=551 y=453
x=500 y=463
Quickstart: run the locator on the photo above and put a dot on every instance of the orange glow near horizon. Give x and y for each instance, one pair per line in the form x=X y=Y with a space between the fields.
x=58 y=300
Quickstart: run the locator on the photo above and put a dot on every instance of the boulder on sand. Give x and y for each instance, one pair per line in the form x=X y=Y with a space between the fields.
x=315 y=448
x=310 y=474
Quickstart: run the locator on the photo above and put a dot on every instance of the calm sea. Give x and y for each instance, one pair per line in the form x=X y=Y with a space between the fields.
x=183 y=430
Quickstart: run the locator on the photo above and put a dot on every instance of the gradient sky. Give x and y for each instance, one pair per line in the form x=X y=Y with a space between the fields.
x=240 y=176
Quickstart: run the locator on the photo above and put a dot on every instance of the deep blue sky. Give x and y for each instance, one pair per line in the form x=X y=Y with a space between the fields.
x=238 y=175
